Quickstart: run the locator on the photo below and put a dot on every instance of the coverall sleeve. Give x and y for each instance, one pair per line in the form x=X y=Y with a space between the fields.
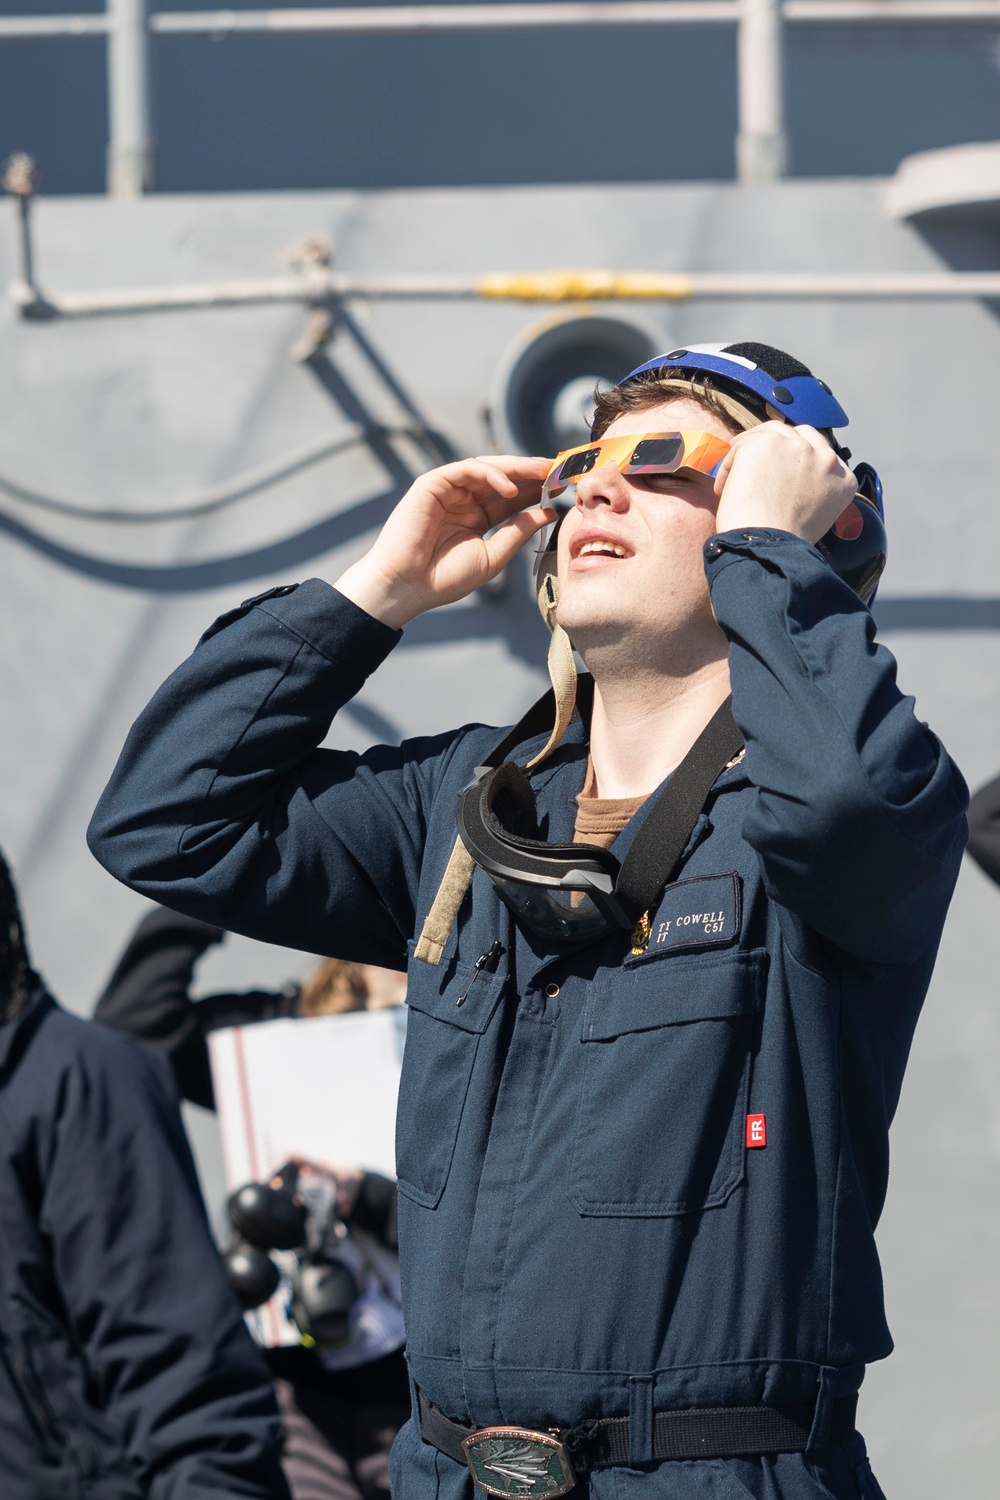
x=984 y=829
x=223 y=806
x=858 y=818
x=145 y=1294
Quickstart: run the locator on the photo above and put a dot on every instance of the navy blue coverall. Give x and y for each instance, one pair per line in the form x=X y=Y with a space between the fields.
x=584 y=1230
x=126 y=1370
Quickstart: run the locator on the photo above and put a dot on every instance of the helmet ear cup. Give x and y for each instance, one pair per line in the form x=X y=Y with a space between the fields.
x=856 y=546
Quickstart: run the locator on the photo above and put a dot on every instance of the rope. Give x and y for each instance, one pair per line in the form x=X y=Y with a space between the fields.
x=217 y=498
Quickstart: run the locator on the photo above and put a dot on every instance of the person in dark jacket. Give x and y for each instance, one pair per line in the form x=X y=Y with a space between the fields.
x=640 y=1166
x=340 y=1413
x=125 y=1368
x=984 y=829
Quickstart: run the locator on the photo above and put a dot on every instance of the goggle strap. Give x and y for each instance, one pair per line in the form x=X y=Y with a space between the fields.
x=661 y=840
x=443 y=912
x=444 y=908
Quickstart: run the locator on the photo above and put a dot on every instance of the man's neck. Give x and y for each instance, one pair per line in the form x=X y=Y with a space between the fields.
x=643 y=725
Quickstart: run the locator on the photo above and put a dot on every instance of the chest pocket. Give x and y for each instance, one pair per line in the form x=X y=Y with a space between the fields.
x=666 y=1067
x=442 y=1040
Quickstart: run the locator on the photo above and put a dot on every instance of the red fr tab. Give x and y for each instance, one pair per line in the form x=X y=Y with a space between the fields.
x=756 y=1130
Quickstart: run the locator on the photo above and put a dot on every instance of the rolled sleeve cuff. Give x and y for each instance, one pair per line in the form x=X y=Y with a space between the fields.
x=727 y=547
x=808 y=590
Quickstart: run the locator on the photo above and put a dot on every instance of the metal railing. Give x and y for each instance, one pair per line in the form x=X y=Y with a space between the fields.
x=128 y=27
x=323 y=292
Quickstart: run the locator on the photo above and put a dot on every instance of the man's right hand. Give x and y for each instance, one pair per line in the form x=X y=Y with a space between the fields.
x=434 y=549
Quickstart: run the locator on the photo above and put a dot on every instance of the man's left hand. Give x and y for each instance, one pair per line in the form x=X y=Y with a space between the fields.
x=784 y=477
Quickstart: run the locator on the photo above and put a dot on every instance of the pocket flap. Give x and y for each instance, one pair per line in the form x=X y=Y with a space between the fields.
x=437 y=991
x=709 y=987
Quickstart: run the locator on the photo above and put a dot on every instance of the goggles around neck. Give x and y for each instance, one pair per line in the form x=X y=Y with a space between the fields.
x=571 y=893
x=563 y=892
x=636 y=453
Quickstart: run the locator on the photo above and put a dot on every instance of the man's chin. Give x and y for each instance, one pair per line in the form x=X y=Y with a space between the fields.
x=596 y=606
x=594 y=626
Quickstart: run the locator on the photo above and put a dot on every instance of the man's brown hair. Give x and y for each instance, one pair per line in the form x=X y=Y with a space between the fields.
x=654 y=387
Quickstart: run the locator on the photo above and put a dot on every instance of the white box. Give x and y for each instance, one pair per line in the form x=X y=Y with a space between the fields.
x=322 y=1088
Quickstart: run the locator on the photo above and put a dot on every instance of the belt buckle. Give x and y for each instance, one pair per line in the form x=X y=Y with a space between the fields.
x=516 y=1461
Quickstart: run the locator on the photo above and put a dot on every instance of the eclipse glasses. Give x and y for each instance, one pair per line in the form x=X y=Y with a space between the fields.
x=855 y=545
x=637 y=453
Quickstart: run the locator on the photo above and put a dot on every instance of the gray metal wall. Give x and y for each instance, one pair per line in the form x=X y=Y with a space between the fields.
x=148 y=411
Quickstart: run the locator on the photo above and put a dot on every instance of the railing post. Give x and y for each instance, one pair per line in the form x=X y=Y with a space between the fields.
x=130 y=143
x=760 y=145
x=20 y=178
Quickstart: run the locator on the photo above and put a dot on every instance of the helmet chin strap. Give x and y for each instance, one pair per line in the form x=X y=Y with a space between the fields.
x=562 y=667
x=444 y=909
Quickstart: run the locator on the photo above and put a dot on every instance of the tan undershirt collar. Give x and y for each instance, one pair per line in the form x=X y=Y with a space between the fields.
x=599 y=820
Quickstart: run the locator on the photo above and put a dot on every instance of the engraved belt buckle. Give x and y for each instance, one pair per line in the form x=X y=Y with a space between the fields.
x=515 y=1461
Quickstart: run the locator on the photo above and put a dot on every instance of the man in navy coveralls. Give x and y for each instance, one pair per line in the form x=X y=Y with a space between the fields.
x=639 y=1179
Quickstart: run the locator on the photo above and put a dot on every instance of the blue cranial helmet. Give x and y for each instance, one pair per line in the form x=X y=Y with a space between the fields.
x=767 y=373
x=855 y=546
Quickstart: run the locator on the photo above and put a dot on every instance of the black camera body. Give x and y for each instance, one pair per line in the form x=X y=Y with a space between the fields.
x=277 y=1216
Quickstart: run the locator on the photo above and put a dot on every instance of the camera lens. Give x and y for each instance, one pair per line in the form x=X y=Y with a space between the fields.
x=252 y=1274
x=326 y=1291
x=267 y=1216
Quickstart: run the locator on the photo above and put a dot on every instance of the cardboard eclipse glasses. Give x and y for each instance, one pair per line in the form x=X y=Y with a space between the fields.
x=664 y=453
x=637 y=453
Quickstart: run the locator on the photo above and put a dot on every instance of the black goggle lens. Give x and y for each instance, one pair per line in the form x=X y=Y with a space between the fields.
x=560 y=916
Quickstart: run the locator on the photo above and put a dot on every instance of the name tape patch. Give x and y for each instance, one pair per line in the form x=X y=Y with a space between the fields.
x=703 y=912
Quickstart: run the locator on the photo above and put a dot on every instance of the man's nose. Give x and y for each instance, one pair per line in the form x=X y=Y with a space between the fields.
x=603 y=486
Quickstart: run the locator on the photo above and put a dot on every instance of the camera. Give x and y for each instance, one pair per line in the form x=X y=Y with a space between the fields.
x=289 y=1213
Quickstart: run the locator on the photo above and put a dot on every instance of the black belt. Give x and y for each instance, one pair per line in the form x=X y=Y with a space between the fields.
x=518 y=1461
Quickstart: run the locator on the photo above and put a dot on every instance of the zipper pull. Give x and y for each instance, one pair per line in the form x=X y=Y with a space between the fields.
x=486 y=963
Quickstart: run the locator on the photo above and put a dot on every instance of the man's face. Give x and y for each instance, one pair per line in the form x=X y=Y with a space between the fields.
x=631 y=567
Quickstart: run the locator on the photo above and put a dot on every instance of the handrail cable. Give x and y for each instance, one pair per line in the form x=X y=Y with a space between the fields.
x=251 y=482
